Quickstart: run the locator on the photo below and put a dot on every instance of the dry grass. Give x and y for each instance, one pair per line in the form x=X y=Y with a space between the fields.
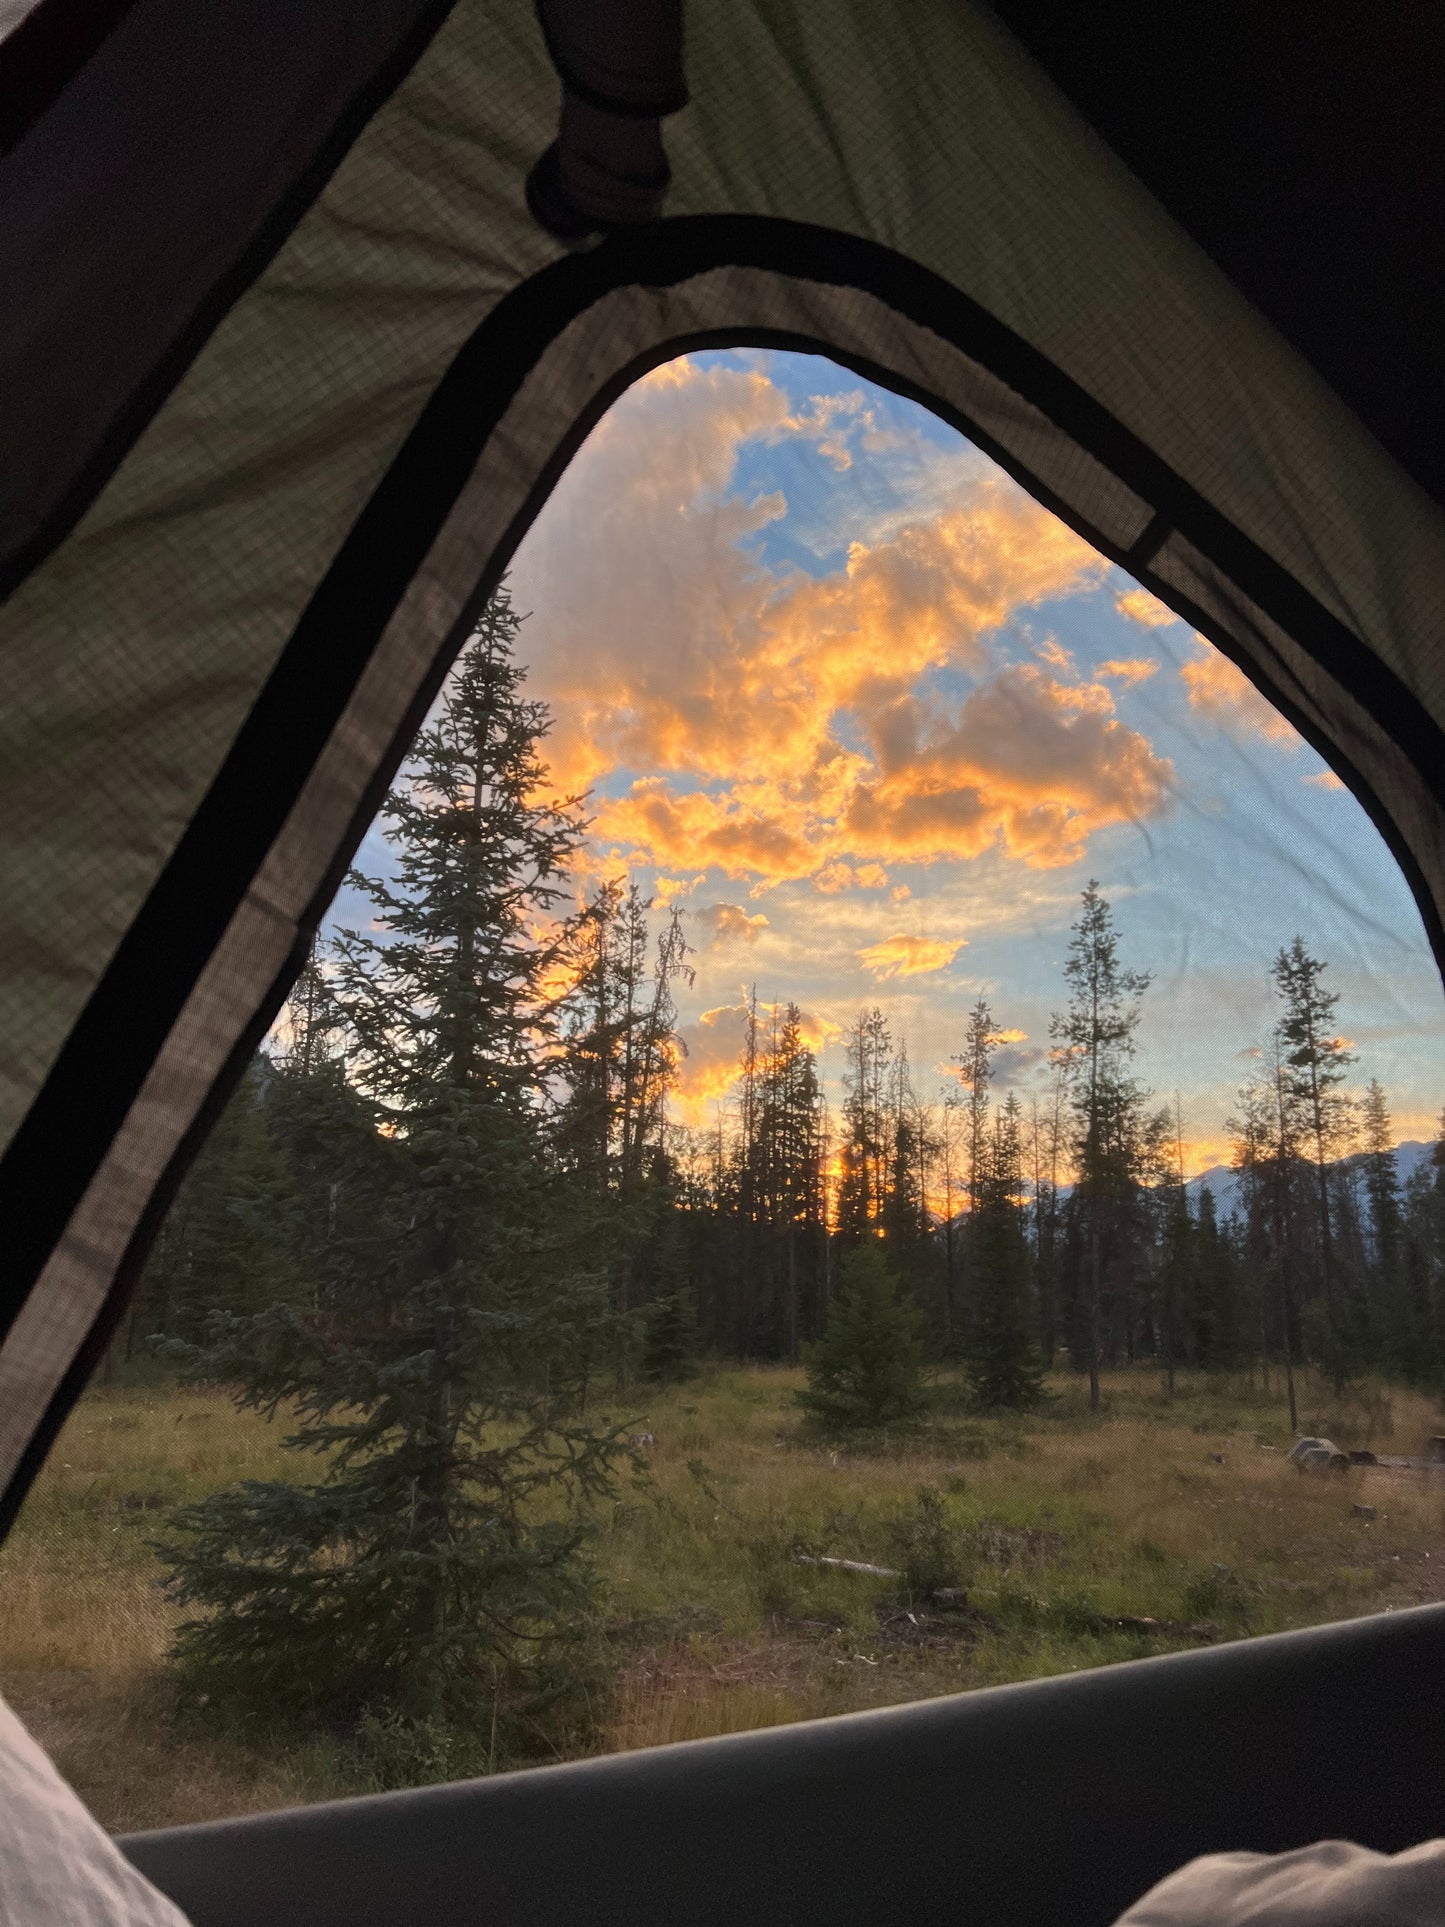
x=1063 y=1522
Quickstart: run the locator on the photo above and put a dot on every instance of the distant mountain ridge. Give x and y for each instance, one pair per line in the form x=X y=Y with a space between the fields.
x=1225 y=1184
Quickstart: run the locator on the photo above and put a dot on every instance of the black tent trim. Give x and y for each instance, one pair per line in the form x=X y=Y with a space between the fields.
x=132 y=1013
x=35 y=70
x=41 y=56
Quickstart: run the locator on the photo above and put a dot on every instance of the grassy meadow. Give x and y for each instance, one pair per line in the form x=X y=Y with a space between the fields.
x=1061 y=1526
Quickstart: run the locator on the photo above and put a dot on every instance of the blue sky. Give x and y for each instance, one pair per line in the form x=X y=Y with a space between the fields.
x=872 y=718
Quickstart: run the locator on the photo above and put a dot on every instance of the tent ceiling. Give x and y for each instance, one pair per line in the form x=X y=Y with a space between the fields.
x=257 y=503
x=1304 y=150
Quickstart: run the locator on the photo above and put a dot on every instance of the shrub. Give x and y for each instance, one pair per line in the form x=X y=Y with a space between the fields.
x=863 y=1371
x=927 y=1548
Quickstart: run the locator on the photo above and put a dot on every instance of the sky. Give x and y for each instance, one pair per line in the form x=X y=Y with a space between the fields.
x=872 y=718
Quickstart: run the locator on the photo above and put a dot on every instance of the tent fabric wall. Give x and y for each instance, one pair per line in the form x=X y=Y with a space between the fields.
x=210 y=678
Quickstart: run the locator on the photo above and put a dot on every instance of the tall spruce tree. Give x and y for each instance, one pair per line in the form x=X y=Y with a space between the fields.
x=863 y=1175
x=1267 y=1156
x=1382 y=1191
x=1314 y=1063
x=1093 y=1042
x=1003 y=1364
x=431 y=1570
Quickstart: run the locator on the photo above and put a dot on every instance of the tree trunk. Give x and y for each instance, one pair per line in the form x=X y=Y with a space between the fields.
x=1093 y=1312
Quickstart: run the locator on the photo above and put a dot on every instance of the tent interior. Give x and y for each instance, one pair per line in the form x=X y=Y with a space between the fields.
x=311 y=314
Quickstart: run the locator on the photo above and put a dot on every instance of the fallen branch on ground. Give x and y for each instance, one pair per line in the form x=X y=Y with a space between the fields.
x=1174 y=1628
x=849 y=1565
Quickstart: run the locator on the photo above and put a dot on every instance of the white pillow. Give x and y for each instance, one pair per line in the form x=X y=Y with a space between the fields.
x=57 y=1867
x=1332 y=1884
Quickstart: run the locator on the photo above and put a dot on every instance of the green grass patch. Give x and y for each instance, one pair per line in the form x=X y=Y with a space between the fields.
x=1066 y=1531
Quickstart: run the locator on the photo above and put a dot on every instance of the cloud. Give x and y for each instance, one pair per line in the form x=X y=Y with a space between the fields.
x=708 y=1066
x=1012 y=1036
x=711 y=1060
x=909 y=956
x=830 y=421
x=1031 y=765
x=837 y=875
x=1129 y=668
x=666 y=890
x=1223 y=694
x=1139 y=606
x=726 y=921
x=1325 y=779
x=1206 y=1154
x=1013 y=1063
x=697 y=828
x=728 y=713
x=1052 y=651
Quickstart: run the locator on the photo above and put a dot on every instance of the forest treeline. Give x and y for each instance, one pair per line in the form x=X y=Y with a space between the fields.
x=1066 y=1217
x=447 y=1224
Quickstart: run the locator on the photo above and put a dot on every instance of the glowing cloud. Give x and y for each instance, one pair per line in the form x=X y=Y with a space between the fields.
x=710 y=1062
x=666 y=651
x=1226 y=696
x=741 y=835
x=909 y=956
x=834 y=877
x=837 y=876
x=729 y=920
x=1129 y=669
x=667 y=890
x=1139 y=606
x=1325 y=779
x=1031 y=765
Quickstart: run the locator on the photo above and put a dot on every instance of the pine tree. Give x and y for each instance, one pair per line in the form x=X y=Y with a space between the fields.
x=231 y=1242
x=1314 y=1065
x=975 y=1073
x=864 y=1371
x=1382 y=1191
x=616 y=1067
x=1003 y=1366
x=1176 y=1301
x=432 y=1569
x=1093 y=1040
x=1423 y=1264
x=1267 y=1156
x=1217 y=1333
x=904 y=1217
x=951 y=1192
x=863 y=1181
x=672 y=1343
x=788 y=1186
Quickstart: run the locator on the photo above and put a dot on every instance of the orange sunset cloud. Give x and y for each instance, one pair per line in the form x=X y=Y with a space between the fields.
x=909 y=956
x=777 y=725
x=711 y=1053
x=1142 y=607
x=1229 y=699
x=729 y=920
x=1032 y=765
x=1129 y=668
